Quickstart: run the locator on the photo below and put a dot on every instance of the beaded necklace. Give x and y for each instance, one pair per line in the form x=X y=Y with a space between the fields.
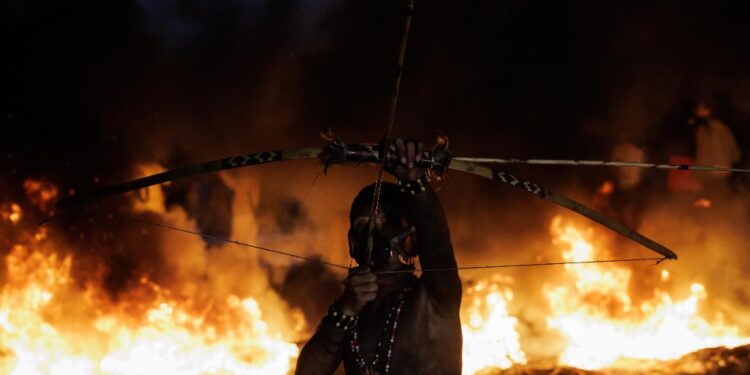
x=391 y=319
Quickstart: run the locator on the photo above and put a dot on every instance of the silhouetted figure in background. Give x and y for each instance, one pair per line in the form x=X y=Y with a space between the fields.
x=714 y=145
x=704 y=141
x=624 y=197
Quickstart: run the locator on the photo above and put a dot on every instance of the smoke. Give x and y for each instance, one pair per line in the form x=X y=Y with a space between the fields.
x=186 y=25
x=287 y=214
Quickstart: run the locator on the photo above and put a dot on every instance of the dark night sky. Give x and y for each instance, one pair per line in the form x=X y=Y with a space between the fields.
x=89 y=87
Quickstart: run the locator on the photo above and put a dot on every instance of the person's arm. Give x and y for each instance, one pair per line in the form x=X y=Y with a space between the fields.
x=436 y=251
x=433 y=236
x=323 y=353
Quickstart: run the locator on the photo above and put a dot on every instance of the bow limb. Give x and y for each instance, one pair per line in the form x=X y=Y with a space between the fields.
x=532 y=188
x=190 y=170
x=336 y=153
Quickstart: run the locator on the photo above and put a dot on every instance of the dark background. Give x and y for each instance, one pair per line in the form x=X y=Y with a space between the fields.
x=91 y=88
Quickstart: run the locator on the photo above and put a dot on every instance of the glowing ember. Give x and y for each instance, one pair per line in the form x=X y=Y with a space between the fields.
x=490 y=337
x=664 y=275
x=42 y=194
x=606 y=188
x=603 y=325
x=12 y=213
x=702 y=203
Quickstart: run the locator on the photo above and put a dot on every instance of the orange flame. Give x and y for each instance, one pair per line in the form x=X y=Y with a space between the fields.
x=604 y=327
x=12 y=213
x=51 y=326
x=489 y=332
x=51 y=323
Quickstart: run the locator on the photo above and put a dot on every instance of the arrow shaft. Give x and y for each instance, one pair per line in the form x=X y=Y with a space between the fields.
x=370 y=153
x=604 y=163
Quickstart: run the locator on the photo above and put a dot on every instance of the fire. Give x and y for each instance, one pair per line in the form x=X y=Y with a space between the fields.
x=173 y=341
x=50 y=326
x=54 y=323
x=42 y=194
x=489 y=332
x=604 y=327
x=12 y=213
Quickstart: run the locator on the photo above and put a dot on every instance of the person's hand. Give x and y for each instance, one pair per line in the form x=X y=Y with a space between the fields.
x=360 y=288
x=402 y=159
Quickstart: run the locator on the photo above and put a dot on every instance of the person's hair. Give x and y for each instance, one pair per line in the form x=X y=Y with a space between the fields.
x=393 y=202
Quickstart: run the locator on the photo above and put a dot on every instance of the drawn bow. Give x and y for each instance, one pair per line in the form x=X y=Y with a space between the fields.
x=338 y=152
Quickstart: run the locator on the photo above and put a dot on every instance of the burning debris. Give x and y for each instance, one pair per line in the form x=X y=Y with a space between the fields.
x=53 y=320
x=711 y=361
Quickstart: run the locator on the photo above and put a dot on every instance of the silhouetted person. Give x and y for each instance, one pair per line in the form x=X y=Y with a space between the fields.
x=387 y=320
x=714 y=145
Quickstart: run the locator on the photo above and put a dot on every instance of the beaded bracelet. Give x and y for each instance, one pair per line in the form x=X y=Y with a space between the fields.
x=415 y=187
x=340 y=319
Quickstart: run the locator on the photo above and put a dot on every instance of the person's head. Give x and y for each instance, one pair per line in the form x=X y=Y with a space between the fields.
x=394 y=238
